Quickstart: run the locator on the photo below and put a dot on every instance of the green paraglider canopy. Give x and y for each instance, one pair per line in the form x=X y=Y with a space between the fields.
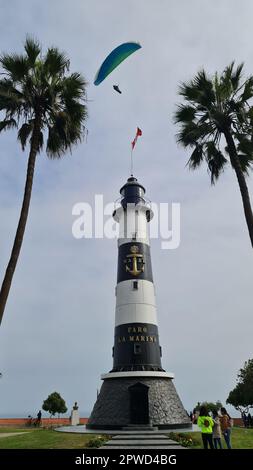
x=117 y=56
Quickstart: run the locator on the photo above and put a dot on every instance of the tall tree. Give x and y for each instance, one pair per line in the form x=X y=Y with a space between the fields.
x=47 y=105
x=54 y=404
x=241 y=397
x=210 y=405
x=216 y=121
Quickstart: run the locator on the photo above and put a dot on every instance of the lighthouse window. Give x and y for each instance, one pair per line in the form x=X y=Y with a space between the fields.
x=135 y=285
x=137 y=349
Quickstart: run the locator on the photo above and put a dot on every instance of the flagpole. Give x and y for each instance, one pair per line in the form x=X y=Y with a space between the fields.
x=138 y=132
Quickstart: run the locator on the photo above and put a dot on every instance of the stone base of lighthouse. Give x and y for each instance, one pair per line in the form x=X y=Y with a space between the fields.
x=138 y=398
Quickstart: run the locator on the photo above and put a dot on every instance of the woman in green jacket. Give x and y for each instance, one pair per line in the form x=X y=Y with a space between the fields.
x=206 y=423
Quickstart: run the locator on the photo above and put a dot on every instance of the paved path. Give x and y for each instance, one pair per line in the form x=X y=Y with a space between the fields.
x=83 y=430
x=9 y=434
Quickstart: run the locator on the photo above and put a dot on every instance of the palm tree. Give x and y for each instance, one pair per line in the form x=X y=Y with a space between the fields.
x=47 y=106
x=216 y=121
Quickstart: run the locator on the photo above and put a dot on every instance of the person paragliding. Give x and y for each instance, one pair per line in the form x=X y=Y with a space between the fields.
x=112 y=61
x=116 y=88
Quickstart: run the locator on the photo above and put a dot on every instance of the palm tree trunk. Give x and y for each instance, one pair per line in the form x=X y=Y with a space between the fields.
x=6 y=285
x=235 y=162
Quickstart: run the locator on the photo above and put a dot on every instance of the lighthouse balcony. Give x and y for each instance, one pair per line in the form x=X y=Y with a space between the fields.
x=137 y=367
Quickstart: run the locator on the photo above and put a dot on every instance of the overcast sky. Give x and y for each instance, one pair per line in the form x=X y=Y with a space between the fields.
x=57 y=332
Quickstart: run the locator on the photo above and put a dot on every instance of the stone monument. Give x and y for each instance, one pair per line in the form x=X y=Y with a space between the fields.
x=75 y=415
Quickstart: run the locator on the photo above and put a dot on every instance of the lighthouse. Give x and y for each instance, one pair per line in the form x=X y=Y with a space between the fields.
x=137 y=391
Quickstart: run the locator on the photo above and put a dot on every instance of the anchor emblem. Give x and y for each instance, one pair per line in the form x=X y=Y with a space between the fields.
x=134 y=262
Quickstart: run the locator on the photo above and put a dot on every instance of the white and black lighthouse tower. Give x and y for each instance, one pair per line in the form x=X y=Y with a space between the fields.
x=136 y=345
x=137 y=391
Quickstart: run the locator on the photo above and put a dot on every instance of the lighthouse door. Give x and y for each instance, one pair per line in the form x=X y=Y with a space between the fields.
x=139 y=407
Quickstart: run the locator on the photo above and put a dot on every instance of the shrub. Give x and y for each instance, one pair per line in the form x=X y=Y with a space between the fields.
x=186 y=440
x=97 y=441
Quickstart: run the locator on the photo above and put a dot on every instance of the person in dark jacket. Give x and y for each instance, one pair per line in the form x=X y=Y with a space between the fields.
x=38 y=423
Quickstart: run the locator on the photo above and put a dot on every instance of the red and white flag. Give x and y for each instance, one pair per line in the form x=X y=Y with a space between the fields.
x=138 y=133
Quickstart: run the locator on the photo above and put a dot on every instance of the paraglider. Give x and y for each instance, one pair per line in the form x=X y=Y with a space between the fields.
x=117 y=56
x=116 y=88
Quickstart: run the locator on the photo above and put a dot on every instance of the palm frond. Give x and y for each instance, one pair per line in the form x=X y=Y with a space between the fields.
x=229 y=82
x=56 y=63
x=248 y=90
x=215 y=161
x=24 y=132
x=11 y=99
x=201 y=81
x=73 y=87
x=55 y=146
x=33 y=50
x=184 y=113
x=224 y=89
x=199 y=90
x=41 y=141
x=189 y=92
x=205 y=118
x=245 y=146
x=216 y=167
x=75 y=134
x=16 y=66
x=193 y=133
x=228 y=71
x=246 y=162
x=236 y=76
x=188 y=135
x=61 y=123
x=196 y=158
x=250 y=115
x=7 y=87
x=7 y=124
x=76 y=111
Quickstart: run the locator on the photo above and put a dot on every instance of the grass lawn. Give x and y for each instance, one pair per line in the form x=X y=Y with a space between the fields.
x=241 y=438
x=42 y=439
x=49 y=439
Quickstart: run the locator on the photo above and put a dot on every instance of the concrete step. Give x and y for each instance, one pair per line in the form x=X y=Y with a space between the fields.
x=141 y=431
x=136 y=447
x=140 y=442
x=127 y=437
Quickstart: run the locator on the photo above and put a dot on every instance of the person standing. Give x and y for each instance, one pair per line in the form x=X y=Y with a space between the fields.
x=195 y=416
x=38 y=423
x=226 y=422
x=244 y=418
x=217 y=431
x=206 y=423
